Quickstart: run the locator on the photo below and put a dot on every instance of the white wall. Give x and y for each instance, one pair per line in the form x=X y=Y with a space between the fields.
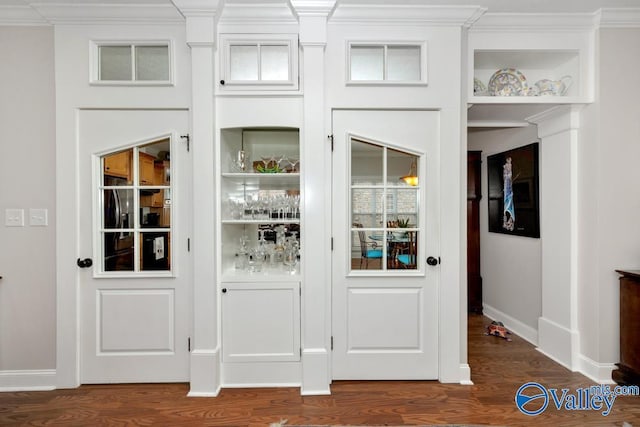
x=510 y=266
x=609 y=193
x=27 y=180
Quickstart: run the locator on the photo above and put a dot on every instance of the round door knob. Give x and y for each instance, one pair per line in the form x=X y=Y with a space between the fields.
x=84 y=263
x=224 y=290
x=433 y=261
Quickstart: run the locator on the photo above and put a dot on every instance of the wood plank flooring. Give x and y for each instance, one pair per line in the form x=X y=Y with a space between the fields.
x=498 y=369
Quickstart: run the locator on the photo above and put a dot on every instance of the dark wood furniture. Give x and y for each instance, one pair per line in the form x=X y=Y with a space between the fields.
x=628 y=371
x=474 y=194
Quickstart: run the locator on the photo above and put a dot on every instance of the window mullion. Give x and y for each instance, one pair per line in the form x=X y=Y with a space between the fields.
x=136 y=210
x=385 y=246
x=259 y=59
x=384 y=64
x=133 y=63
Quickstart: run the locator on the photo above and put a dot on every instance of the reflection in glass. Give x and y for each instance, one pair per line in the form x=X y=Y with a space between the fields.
x=366 y=253
x=153 y=163
x=403 y=250
x=118 y=208
x=274 y=62
x=152 y=63
x=367 y=63
x=115 y=63
x=403 y=63
x=155 y=251
x=118 y=251
x=366 y=163
x=404 y=209
x=244 y=62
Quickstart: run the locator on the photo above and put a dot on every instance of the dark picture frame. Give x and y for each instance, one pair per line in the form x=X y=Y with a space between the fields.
x=513 y=191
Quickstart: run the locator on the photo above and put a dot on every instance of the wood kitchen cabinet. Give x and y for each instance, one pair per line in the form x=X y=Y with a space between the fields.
x=157 y=200
x=147 y=172
x=119 y=165
x=628 y=372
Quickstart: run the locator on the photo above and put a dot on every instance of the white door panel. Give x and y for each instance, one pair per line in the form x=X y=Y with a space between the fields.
x=385 y=296
x=135 y=312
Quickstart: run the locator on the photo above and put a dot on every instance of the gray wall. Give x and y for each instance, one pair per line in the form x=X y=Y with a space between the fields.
x=609 y=174
x=27 y=180
x=509 y=265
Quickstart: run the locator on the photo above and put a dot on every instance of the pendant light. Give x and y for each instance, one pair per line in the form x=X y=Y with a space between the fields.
x=412 y=177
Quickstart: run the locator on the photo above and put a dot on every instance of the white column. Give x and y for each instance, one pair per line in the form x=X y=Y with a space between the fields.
x=558 y=335
x=316 y=290
x=205 y=353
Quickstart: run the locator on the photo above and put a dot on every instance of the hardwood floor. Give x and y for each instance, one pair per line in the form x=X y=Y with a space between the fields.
x=498 y=368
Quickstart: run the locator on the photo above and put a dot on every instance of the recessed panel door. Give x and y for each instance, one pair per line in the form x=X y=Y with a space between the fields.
x=134 y=275
x=385 y=226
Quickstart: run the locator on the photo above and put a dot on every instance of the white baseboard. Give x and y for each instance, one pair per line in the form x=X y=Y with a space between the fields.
x=465 y=374
x=204 y=373
x=315 y=372
x=558 y=343
x=512 y=324
x=28 y=380
x=597 y=372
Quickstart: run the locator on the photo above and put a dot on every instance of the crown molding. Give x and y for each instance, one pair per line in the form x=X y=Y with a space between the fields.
x=320 y=8
x=67 y=13
x=252 y=13
x=535 y=21
x=20 y=15
x=407 y=14
x=619 y=18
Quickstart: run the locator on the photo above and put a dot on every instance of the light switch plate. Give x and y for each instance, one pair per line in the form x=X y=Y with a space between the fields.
x=38 y=217
x=14 y=217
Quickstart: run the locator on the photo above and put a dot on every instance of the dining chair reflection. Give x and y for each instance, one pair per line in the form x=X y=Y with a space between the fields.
x=368 y=249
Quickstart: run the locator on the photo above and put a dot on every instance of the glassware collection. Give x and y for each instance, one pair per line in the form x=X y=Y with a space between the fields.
x=266 y=164
x=266 y=207
x=281 y=255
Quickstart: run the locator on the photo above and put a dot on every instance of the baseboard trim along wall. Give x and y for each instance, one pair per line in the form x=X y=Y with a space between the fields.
x=465 y=374
x=513 y=325
x=28 y=380
x=598 y=372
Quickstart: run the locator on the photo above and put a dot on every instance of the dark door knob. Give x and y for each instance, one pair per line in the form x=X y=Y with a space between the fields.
x=433 y=261
x=84 y=263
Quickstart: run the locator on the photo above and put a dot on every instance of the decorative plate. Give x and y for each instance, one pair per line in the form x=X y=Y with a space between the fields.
x=479 y=89
x=508 y=82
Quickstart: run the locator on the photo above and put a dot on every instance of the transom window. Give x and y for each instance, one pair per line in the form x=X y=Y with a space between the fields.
x=135 y=209
x=388 y=63
x=385 y=208
x=259 y=62
x=143 y=63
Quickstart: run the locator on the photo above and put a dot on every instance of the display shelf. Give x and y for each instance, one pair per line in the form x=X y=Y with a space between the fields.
x=268 y=274
x=261 y=221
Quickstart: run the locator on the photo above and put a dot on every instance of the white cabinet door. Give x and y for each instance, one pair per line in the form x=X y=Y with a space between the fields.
x=261 y=322
x=385 y=226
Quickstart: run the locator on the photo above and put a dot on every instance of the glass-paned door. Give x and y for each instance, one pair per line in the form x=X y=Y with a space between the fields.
x=135 y=208
x=385 y=207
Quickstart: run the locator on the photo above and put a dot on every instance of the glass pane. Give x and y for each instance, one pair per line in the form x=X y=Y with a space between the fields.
x=115 y=62
x=153 y=161
x=402 y=168
x=155 y=210
x=152 y=63
x=118 y=251
x=274 y=62
x=366 y=251
x=403 y=250
x=118 y=209
x=155 y=251
x=403 y=63
x=402 y=208
x=243 y=62
x=367 y=63
x=366 y=163
x=116 y=168
x=366 y=207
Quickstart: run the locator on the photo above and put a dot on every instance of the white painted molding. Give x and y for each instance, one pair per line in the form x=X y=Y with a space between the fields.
x=514 y=325
x=265 y=13
x=20 y=15
x=619 y=18
x=407 y=14
x=598 y=372
x=69 y=13
x=497 y=124
x=315 y=372
x=557 y=342
x=28 y=380
x=313 y=7
x=535 y=21
x=561 y=118
x=465 y=374
x=204 y=373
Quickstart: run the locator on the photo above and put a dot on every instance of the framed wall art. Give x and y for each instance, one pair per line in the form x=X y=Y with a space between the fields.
x=513 y=192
